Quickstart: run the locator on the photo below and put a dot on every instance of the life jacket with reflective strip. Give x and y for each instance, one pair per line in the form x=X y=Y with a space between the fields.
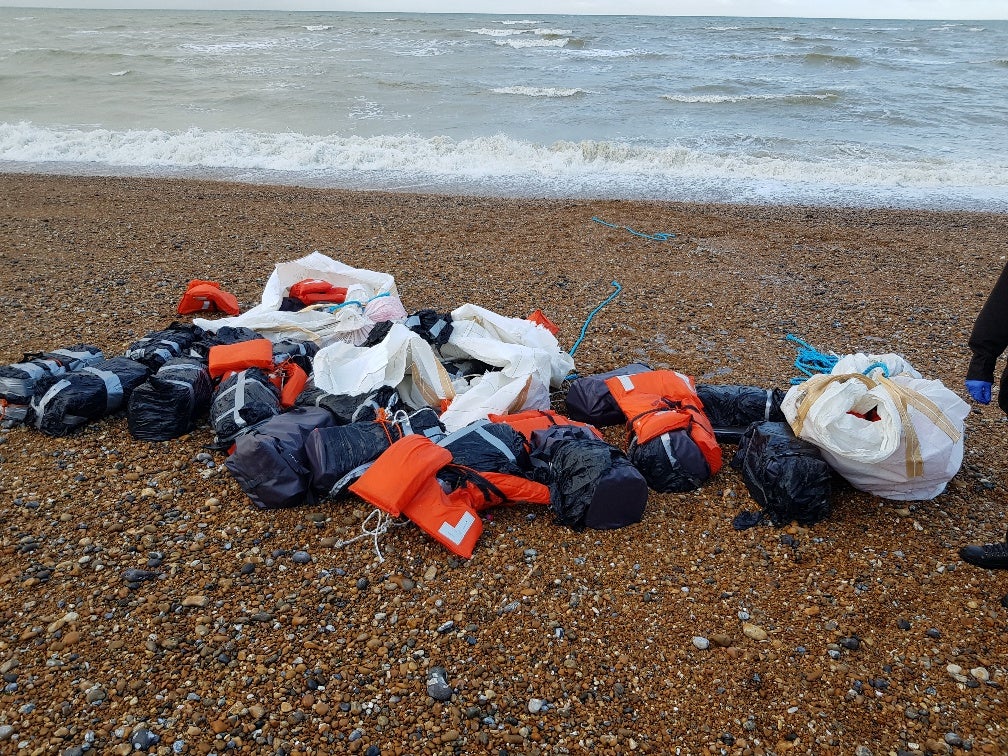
x=532 y=420
x=403 y=481
x=201 y=296
x=316 y=291
x=233 y=358
x=660 y=401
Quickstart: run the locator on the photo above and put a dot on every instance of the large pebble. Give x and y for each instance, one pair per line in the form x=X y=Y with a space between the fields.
x=755 y=632
x=437 y=684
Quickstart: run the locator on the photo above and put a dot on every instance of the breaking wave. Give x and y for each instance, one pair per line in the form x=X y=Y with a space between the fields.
x=540 y=91
x=502 y=165
x=796 y=99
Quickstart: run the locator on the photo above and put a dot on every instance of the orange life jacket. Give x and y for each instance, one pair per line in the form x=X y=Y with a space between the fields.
x=402 y=470
x=403 y=481
x=532 y=420
x=316 y=291
x=233 y=358
x=659 y=401
x=290 y=379
x=539 y=317
x=201 y=296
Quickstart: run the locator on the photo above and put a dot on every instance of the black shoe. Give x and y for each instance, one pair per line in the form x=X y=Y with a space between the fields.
x=993 y=556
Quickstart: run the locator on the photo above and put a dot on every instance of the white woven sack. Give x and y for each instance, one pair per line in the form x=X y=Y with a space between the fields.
x=495 y=393
x=402 y=359
x=884 y=457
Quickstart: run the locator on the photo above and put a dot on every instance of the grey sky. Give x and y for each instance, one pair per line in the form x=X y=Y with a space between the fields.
x=923 y=9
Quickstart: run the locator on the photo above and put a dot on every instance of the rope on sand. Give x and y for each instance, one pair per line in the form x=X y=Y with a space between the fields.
x=588 y=320
x=660 y=236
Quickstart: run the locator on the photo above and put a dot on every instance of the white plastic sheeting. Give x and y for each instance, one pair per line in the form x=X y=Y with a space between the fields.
x=370 y=295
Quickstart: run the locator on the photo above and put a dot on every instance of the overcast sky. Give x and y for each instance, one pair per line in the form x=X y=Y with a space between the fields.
x=929 y=9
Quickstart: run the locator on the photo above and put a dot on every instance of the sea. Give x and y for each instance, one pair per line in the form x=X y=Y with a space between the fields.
x=827 y=112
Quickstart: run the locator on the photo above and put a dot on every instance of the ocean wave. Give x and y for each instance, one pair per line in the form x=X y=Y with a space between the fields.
x=521 y=43
x=223 y=48
x=124 y=72
x=828 y=59
x=498 y=32
x=516 y=22
x=318 y=27
x=633 y=52
x=553 y=32
x=496 y=161
x=713 y=99
x=541 y=91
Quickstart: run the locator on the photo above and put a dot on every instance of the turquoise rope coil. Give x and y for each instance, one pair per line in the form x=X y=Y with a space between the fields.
x=810 y=361
x=660 y=236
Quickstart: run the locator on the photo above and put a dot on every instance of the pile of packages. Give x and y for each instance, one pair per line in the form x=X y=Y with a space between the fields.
x=329 y=385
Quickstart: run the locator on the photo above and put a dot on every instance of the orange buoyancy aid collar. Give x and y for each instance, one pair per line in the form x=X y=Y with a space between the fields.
x=201 y=296
x=532 y=420
x=400 y=473
x=316 y=291
x=228 y=358
x=660 y=401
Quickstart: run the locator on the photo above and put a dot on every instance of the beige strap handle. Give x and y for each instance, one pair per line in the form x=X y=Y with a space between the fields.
x=902 y=397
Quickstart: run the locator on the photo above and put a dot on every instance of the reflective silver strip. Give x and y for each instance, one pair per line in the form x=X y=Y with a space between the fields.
x=239 y=401
x=40 y=407
x=40 y=368
x=766 y=412
x=349 y=478
x=165 y=354
x=627 y=382
x=113 y=387
x=185 y=368
x=666 y=443
x=16 y=386
x=461 y=432
x=88 y=358
x=494 y=441
x=437 y=328
x=411 y=322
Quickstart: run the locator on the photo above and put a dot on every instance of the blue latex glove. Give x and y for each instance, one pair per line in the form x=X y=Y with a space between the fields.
x=980 y=391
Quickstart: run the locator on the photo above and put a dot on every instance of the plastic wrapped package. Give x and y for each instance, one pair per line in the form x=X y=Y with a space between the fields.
x=785 y=475
x=62 y=404
x=731 y=408
x=241 y=402
x=171 y=401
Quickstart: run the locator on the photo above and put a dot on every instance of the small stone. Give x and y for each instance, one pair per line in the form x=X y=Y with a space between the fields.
x=953 y=739
x=372 y=750
x=851 y=643
x=138 y=576
x=5 y=732
x=721 y=640
x=301 y=557
x=363 y=583
x=197 y=601
x=980 y=673
x=755 y=632
x=446 y=627
x=700 y=642
x=862 y=750
x=437 y=684
x=535 y=705
x=933 y=633
x=143 y=739
x=902 y=624
x=96 y=694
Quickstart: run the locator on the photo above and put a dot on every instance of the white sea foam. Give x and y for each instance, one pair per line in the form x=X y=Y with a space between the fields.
x=498 y=32
x=541 y=91
x=633 y=52
x=521 y=42
x=318 y=27
x=120 y=73
x=504 y=165
x=516 y=22
x=223 y=48
x=553 y=32
x=711 y=99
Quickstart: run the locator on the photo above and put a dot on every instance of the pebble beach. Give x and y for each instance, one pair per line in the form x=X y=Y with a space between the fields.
x=147 y=606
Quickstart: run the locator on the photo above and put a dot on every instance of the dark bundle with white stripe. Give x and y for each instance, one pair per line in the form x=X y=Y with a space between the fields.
x=171 y=401
x=241 y=402
x=64 y=403
x=155 y=349
x=17 y=381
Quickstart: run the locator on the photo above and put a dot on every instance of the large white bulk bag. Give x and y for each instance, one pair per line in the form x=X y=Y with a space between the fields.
x=912 y=449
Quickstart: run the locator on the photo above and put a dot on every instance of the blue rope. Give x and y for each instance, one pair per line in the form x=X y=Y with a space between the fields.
x=660 y=236
x=811 y=361
x=591 y=316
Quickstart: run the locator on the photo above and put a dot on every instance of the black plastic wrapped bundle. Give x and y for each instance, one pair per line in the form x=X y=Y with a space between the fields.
x=64 y=403
x=17 y=381
x=489 y=447
x=170 y=402
x=731 y=409
x=301 y=353
x=352 y=409
x=589 y=401
x=156 y=348
x=785 y=475
x=339 y=455
x=241 y=402
x=592 y=484
x=433 y=328
x=671 y=462
x=269 y=462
